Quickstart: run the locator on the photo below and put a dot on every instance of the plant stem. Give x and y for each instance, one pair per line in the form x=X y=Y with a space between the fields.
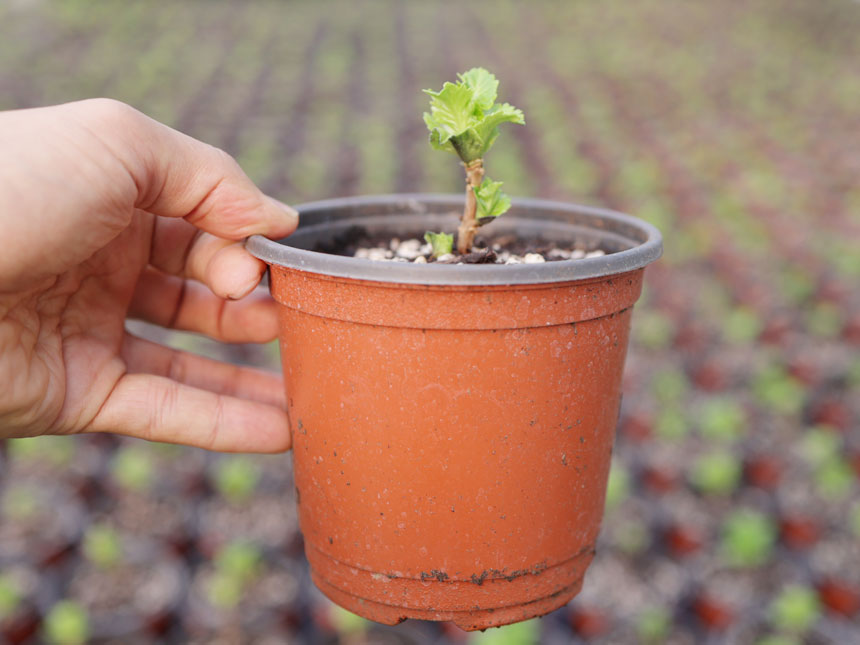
x=469 y=222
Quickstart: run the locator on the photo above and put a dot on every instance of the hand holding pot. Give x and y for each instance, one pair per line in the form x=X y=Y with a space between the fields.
x=106 y=214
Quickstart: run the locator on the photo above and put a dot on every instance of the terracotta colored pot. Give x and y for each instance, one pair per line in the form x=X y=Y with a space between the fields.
x=452 y=425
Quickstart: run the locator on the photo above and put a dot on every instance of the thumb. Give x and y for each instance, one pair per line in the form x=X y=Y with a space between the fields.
x=178 y=176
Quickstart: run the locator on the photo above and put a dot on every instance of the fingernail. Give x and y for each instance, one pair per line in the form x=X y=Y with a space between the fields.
x=250 y=285
x=240 y=293
x=292 y=214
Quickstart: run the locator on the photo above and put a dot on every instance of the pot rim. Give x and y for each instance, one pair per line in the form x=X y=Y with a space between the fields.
x=646 y=243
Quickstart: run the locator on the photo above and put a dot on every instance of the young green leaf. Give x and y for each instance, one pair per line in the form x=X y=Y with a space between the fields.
x=487 y=130
x=464 y=117
x=452 y=112
x=442 y=243
x=492 y=202
x=484 y=86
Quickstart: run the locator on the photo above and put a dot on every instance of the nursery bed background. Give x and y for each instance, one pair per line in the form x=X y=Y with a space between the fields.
x=733 y=513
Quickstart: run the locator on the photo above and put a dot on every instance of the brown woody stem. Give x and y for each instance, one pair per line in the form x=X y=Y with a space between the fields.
x=469 y=222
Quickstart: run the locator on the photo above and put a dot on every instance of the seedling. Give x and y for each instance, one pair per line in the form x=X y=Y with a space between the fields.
x=236 y=565
x=57 y=451
x=669 y=385
x=102 y=546
x=722 y=419
x=515 y=634
x=133 y=468
x=748 y=539
x=778 y=391
x=237 y=478
x=10 y=596
x=834 y=479
x=820 y=444
x=716 y=474
x=795 y=609
x=671 y=423
x=742 y=326
x=67 y=623
x=778 y=639
x=824 y=321
x=654 y=330
x=464 y=119
x=20 y=503
x=618 y=486
x=653 y=625
x=347 y=623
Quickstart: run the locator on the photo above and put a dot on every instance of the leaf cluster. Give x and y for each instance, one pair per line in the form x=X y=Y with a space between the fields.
x=464 y=117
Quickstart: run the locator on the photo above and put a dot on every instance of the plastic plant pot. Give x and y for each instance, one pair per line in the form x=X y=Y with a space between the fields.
x=452 y=425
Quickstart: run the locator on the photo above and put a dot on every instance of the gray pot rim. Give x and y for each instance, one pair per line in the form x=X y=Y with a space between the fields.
x=646 y=243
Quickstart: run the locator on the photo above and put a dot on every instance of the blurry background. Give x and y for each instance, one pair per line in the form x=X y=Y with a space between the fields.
x=733 y=512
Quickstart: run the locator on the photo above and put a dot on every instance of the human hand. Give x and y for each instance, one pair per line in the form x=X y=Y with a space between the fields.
x=106 y=214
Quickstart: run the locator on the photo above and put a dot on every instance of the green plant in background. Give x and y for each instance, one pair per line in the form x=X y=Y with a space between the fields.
x=464 y=119
x=618 y=486
x=631 y=536
x=717 y=473
x=346 y=623
x=102 y=545
x=796 y=285
x=236 y=565
x=834 y=478
x=67 y=623
x=236 y=478
x=795 y=609
x=777 y=390
x=824 y=320
x=778 y=639
x=822 y=448
x=133 y=468
x=57 y=451
x=669 y=385
x=653 y=330
x=742 y=325
x=653 y=625
x=721 y=419
x=671 y=424
x=820 y=444
x=748 y=538
x=854 y=520
x=524 y=633
x=20 y=503
x=10 y=596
